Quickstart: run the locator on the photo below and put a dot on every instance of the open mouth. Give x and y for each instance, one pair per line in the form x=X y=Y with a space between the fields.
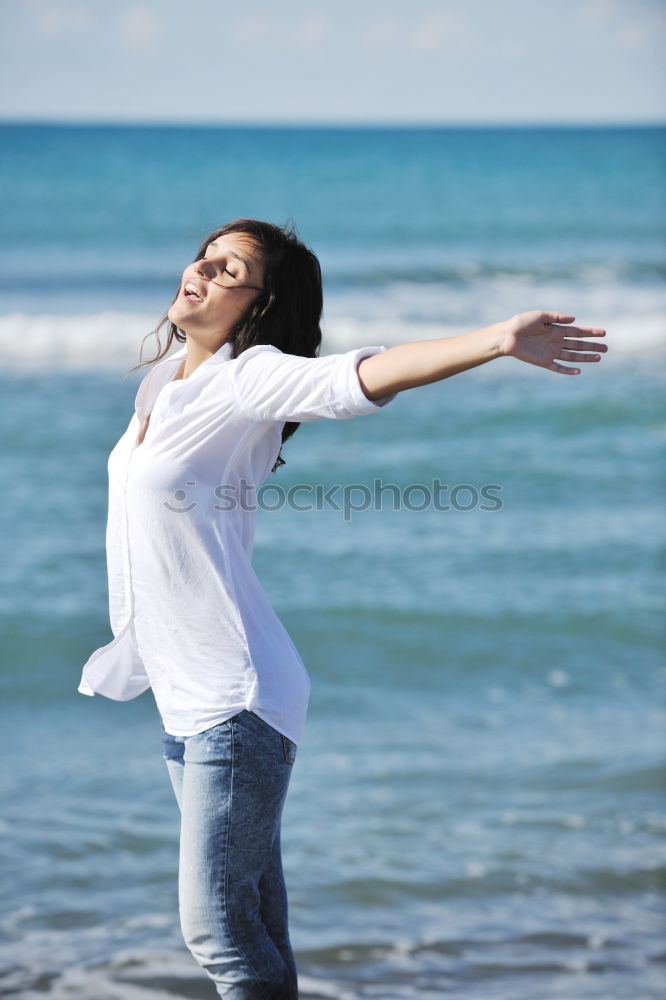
x=191 y=292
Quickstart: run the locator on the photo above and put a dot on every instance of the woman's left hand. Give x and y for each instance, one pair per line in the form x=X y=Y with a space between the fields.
x=539 y=338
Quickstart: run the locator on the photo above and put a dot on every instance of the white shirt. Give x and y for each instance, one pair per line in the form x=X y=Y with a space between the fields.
x=189 y=616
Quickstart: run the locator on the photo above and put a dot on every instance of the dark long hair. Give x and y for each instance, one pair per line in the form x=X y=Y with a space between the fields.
x=286 y=313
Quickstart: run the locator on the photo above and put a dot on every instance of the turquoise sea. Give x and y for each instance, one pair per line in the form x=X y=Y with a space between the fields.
x=477 y=810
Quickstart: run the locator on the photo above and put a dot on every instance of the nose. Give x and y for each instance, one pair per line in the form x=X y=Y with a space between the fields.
x=202 y=269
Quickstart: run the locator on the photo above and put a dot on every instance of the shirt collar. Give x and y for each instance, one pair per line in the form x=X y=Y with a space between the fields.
x=224 y=353
x=163 y=371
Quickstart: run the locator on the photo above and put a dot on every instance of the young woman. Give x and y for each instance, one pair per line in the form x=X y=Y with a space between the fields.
x=189 y=617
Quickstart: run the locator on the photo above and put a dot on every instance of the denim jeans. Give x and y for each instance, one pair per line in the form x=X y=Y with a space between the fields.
x=230 y=784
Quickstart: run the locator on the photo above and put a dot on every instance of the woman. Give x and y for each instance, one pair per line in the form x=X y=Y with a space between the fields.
x=189 y=617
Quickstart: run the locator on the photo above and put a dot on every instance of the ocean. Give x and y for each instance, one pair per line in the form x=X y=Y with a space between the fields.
x=477 y=808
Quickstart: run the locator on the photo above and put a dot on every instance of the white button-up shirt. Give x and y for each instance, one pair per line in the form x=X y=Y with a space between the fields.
x=189 y=616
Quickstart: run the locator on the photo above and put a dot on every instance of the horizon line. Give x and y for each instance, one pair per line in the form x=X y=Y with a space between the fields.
x=329 y=124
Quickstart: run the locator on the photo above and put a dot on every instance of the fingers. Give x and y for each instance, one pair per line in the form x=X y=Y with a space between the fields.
x=555 y=317
x=574 y=356
x=569 y=347
x=584 y=331
x=582 y=345
x=554 y=367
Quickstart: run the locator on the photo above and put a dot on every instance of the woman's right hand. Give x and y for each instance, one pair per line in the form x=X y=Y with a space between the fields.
x=545 y=338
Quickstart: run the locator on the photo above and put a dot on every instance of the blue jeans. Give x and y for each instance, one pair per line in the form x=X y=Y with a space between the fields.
x=230 y=783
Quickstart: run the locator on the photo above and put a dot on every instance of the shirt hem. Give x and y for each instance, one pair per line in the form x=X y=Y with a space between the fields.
x=265 y=717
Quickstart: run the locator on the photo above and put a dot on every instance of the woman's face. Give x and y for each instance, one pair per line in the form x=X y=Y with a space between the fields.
x=217 y=290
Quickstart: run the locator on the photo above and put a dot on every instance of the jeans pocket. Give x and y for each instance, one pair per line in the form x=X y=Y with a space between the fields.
x=289 y=748
x=172 y=748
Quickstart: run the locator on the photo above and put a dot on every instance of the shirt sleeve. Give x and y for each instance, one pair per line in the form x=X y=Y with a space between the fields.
x=271 y=385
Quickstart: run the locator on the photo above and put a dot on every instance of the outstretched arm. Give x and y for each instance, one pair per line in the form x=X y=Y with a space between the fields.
x=538 y=338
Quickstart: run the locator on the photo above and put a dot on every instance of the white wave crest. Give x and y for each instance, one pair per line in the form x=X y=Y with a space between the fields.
x=114 y=340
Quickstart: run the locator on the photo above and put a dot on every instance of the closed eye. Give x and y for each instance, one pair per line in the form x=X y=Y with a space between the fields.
x=224 y=270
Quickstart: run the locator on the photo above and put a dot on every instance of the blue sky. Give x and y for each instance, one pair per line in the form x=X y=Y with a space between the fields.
x=380 y=61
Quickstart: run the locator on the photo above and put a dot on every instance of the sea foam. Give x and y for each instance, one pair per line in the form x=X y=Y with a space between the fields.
x=114 y=340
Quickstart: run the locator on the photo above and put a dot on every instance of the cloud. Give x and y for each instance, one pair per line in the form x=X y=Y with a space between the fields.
x=647 y=26
x=383 y=31
x=139 y=28
x=439 y=32
x=634 y=36
x=59 y=19
x=649 y=31
x=597 y=11
x=312 y=30
x=251 y=29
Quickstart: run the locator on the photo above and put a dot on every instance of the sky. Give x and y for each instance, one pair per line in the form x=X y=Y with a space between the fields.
x=334 y=61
